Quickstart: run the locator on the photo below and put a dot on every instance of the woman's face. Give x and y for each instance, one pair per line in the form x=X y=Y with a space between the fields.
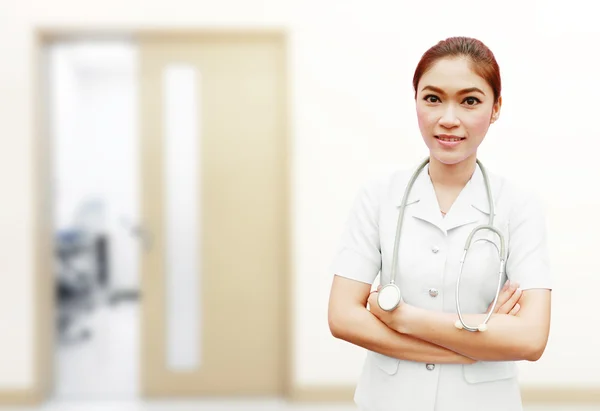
x=455 y=108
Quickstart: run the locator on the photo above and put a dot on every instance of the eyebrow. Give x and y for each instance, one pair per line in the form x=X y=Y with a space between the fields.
x=463 y=91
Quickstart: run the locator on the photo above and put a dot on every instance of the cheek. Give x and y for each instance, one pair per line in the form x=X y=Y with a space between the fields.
x=479 y=123
x=424 y=119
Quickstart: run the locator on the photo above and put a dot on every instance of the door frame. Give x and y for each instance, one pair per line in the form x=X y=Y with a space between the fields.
x=44 y=303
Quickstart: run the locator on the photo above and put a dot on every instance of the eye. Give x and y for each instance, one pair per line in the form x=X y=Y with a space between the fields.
x=430 y=98
x=471 y=101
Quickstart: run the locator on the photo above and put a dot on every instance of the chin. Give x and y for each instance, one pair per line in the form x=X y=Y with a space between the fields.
x=449 y=158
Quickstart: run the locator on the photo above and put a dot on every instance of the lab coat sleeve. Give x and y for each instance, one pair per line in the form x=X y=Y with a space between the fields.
x=528 y=257
x=358 y=256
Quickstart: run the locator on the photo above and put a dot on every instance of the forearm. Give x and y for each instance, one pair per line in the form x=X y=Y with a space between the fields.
x=507 y=337
x=360 y=327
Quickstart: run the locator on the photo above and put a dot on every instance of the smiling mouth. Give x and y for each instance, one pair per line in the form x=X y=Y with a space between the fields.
x=449 y=138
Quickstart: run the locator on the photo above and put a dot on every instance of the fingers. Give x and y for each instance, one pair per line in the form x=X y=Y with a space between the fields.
x=375 y=291
x=512 y=302
x=508 y=298
x=371 y=299
x=515 y=309
x=502 y=298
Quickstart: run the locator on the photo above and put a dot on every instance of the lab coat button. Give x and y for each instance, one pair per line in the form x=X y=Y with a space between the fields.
x=433 y=292
x=430 y=367
x=435 y=249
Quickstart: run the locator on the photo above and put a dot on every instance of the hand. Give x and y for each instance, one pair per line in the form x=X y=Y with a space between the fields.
x=387 y=317
x=508 y=300
x=372 y=300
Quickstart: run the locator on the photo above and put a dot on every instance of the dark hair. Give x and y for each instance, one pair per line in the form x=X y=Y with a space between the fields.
x=482 y=59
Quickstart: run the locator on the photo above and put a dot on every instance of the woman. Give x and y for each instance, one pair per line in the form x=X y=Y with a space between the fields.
x=417 y=358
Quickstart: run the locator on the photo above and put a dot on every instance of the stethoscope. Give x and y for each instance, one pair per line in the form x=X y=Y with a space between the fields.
x=389 y=296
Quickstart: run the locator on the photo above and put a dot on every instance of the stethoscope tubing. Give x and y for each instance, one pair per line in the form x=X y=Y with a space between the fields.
x=490 y=226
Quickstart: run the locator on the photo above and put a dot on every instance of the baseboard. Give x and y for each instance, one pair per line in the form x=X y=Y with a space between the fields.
x=341 y=394
x=558 y=394
x=322 y=394
x=530 y=395
x=20 y=397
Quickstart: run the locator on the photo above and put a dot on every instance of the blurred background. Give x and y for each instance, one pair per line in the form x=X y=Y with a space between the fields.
x=172 y=197
x=96 y=217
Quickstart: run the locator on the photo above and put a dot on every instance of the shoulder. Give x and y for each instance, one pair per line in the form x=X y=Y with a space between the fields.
x=518 y=199
x=386 y=185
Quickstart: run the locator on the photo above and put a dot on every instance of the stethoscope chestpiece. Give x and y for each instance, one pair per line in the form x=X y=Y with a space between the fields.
x=389 y=297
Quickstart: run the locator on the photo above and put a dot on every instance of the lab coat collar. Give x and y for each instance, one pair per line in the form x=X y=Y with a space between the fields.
x=469 y=207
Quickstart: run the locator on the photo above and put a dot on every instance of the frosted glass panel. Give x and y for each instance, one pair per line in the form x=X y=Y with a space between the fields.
x=182 y=216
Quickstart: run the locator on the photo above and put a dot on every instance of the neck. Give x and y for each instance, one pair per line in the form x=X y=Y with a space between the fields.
x=452 y=175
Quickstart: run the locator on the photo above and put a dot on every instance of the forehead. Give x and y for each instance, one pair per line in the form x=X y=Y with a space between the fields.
x=452 y=75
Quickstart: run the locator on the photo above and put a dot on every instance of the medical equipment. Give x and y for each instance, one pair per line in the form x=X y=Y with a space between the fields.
x=389 y=296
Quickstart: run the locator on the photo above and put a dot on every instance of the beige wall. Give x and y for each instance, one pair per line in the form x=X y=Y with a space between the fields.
x=353 y=116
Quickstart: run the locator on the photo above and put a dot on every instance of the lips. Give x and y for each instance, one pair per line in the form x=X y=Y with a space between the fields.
x=449 y=141
x=449 y=138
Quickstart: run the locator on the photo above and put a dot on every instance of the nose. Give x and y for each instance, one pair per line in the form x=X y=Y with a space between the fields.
x=449 y=119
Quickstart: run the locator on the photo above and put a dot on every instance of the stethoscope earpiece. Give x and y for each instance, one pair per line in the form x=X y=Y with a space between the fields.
x=481 y=328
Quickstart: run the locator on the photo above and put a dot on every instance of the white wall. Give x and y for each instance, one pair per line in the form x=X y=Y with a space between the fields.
x=353 y=115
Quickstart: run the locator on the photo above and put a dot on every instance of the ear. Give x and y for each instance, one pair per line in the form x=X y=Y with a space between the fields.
x=496 y=110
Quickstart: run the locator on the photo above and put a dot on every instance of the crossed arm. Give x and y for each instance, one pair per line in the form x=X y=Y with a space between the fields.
x=415 y=334
x=350 y=320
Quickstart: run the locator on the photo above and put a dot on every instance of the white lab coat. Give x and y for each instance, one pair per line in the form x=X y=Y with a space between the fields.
x=428 y=264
